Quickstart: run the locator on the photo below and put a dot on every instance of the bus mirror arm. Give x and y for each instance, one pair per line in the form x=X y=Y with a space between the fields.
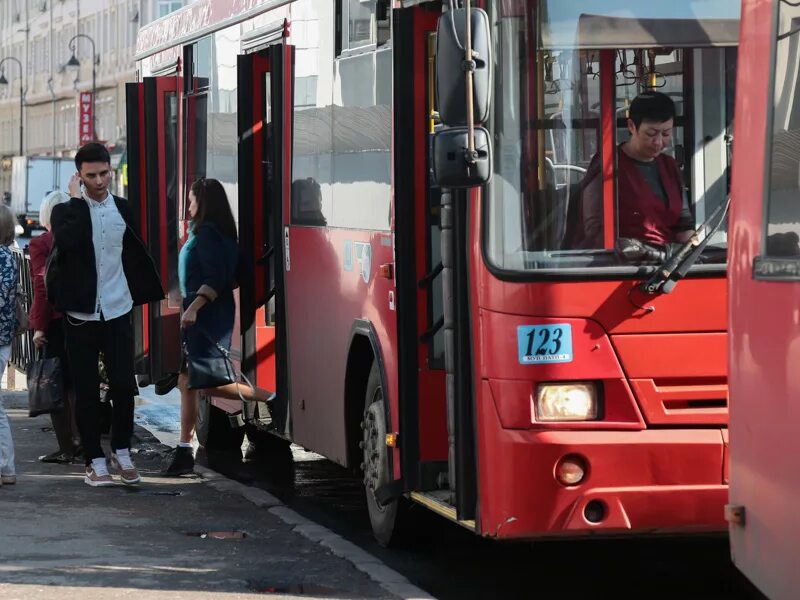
x=667 y=275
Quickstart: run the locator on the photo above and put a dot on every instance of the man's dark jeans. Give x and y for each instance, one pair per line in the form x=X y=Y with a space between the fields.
x=85 y=340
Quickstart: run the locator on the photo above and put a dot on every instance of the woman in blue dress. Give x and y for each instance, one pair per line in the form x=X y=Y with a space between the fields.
x=207 y=272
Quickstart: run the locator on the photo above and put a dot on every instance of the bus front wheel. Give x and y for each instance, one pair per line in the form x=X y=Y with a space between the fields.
x=385 y=520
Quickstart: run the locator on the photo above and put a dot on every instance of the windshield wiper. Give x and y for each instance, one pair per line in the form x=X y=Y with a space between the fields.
x=673 y=269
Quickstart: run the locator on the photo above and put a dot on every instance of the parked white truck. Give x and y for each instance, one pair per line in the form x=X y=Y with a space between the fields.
x=32 y=178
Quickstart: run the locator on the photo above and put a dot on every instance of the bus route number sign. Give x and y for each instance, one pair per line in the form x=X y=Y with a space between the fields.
x=544 y=344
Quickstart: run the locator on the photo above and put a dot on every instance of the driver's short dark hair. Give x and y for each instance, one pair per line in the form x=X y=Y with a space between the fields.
x=651 y=106
x=92 y=152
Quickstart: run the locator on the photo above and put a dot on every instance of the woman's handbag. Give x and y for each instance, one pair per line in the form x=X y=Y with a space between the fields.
x=45 y=386
x=210 y=371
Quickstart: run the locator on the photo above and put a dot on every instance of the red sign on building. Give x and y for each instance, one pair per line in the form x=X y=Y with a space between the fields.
x=85 y=118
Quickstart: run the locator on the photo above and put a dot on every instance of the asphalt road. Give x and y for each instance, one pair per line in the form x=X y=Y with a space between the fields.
x=452 y=563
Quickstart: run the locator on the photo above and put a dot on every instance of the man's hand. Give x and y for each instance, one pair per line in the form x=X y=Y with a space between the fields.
x=39 y=340
x=189 y=317
x=74 y=186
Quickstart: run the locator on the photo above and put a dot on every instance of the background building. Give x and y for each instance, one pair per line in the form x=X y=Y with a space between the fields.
x=37 y=32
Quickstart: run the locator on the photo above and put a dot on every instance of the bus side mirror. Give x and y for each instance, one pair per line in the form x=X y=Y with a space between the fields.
x=451 y=70
x=462 y=149
x=453 y=164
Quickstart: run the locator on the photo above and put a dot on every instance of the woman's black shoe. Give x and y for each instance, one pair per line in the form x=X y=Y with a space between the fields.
x=182 y=462
x=59 y=457
x=166 y=384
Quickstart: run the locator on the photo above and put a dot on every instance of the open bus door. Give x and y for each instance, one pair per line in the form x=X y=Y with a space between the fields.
x=152 y=119
x=438 y=475
x=263 y=88
x=764 y=268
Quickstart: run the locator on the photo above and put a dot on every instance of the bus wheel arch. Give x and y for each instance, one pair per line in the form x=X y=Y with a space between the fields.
x=368 y=421
x=363 y=351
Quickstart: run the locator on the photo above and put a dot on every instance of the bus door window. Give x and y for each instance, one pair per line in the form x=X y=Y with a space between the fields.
x=211 y=141
x=171 y=175
x=197 y=81
x=211 y=117
x=269 y=174
x=782 y=237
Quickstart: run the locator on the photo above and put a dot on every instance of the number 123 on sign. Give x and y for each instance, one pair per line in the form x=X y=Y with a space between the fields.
x=544 y=344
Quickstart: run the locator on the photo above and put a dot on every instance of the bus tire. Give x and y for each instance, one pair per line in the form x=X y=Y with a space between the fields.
x=385 y=520
x=214 y=430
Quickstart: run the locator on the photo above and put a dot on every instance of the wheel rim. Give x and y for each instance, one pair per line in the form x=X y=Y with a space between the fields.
x=375 y=463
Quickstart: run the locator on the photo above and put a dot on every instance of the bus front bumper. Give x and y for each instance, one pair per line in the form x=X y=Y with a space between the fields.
x=635 y=482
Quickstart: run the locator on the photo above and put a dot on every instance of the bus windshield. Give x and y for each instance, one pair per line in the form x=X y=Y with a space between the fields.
x=591 y=169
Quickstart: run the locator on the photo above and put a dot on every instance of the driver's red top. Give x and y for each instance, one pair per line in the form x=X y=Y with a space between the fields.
x=642 y=212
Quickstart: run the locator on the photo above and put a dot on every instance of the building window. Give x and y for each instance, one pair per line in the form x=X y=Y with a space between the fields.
x=361 y=24
x=167 y=6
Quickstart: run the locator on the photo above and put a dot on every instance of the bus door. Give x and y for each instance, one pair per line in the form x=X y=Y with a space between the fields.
x=420 y=314
x=153 y=175
x=261 y=103
x=764 y=271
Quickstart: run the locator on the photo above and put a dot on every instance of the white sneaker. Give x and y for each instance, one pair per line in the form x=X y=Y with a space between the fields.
x=125 y=468
x=97 y=474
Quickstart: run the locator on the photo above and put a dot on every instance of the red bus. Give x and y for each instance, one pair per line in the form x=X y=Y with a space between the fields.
x=764 y=310
x=428 y=321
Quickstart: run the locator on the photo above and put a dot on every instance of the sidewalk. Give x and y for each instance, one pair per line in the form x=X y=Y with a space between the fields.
x=60 y=538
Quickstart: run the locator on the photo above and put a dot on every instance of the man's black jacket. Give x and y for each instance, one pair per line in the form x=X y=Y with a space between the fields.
x=71 y=276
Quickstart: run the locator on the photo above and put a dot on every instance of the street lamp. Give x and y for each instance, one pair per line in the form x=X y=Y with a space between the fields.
x=74 y=63
x=4 y=82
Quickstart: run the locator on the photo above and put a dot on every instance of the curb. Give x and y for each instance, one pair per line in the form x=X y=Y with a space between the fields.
x=14 y=399
x=389 y=579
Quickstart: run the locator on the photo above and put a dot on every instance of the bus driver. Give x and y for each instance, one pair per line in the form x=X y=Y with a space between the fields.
x=652 y=204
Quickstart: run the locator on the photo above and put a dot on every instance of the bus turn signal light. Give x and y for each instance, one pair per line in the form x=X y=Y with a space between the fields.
x=387 y=271
x=566 y=402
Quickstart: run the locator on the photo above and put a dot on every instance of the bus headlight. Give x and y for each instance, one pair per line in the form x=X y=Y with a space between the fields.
x=566 y=402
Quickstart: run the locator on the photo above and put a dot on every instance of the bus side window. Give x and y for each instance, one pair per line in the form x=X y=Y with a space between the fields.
x=307 y=203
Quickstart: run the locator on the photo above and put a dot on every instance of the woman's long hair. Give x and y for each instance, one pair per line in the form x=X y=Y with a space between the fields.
x=213 y=207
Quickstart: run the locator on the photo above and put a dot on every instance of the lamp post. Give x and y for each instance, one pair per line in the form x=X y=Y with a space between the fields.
x=73 y=62
x=4 y=82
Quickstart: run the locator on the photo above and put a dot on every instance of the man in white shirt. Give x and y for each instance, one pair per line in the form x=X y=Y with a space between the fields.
x=98 y=272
